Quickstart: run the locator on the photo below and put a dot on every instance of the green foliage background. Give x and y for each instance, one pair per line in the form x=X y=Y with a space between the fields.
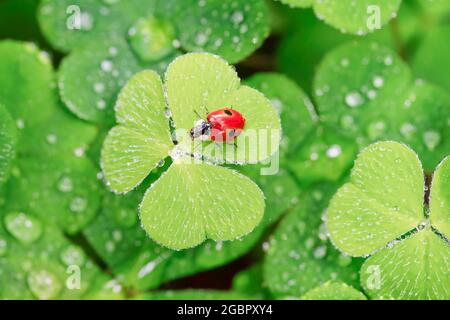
x=336 y=86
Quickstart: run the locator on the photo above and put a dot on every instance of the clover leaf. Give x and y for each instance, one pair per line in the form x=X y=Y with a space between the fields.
x=142 y=139
x=38 y=262
x=143 y=264
x=99 y=69
x=381 y=213
x=7 y=143
x=102 y=54
x=69 y=24
x=300 y=252
x=232 y=30
x=355 y=90
x=334 y=290
x=113 y=41
x=318 y=39
x=196 y=213
x=196 y=86
x=51 y=177
x=363 y=92
x=355 y=17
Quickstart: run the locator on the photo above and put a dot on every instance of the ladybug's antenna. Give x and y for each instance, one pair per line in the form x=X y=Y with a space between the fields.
x=206 y=109
x=198 y=115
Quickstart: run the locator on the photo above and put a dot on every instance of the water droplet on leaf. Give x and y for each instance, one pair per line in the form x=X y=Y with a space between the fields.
x=78 y=205
x=106 y=65
x=431 y=139
x=73 y=255
x=354 y=99
x=65 y=184
x=25 y=228
x=44 y=284
x=334 y=151
x=320 y=252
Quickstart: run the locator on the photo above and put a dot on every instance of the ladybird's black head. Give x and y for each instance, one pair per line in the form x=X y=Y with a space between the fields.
x=202 y=128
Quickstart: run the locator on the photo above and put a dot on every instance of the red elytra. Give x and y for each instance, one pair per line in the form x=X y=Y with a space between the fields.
x=222 y=125
x=227 y=124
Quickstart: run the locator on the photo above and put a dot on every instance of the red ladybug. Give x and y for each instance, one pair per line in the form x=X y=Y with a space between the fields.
x=222 y=125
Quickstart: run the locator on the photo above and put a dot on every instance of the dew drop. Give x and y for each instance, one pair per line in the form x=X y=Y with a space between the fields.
x=309 y=243
x=345 y=62
x=79 y=152
x=52 y=138
x=43 y=284
x=320 y=252
x=407 y=130
x=20 y=123
x=78 y=205
x=323 y=232
x=237 y=17
x=431 y=139
x=86 y=21
x=378 y=82
x=110 y=246
x=25 y=228
x=371 y=94
x=176 y=43
x=99 y=87
x=101 y=104
x=117 y=235
x=277 y=104
x=334 y=151
x=388 y=60
x=106 y=65
x=65 y=184
x=113 y=51
x=161 y=163
x=73 y=255
x=354 y=99
x=243 y=29
x=201 y=39
x=347 y=122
